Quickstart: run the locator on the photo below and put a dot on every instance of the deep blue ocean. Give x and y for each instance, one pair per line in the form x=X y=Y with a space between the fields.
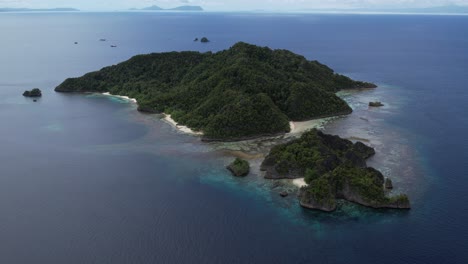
x=88 y=179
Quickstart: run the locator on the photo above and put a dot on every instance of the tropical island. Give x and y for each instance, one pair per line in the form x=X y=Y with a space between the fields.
x=249 y=91
x=334 y=168
x=243 y=92
x=179 y=8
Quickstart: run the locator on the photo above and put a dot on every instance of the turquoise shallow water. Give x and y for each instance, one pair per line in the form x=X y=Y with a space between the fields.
x=88 y=179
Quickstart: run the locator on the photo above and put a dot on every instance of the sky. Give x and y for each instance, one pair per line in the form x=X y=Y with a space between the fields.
x=231 y=5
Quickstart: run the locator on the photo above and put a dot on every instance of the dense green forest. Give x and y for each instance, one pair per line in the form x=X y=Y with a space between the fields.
x=241 y=92
x=334 y=168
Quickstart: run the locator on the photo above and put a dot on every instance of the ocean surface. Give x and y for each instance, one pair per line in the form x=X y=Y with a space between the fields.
x=88 y=179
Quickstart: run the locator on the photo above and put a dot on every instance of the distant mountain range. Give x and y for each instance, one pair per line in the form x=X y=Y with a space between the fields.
x=6 y=9
x=179 y=8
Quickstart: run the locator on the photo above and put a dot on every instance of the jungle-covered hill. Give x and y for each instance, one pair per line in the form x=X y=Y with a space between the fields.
x=242 y=92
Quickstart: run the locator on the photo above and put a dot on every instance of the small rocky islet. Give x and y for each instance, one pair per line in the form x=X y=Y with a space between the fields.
x=334 y=168
x=202 y=40
x=36 y=92
x=239 y=167
x=376 y=104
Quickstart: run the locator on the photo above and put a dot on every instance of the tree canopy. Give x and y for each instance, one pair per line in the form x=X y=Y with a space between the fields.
x=241 y=92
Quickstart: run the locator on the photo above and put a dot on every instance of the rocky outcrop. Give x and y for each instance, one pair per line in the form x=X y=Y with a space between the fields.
x=33 y=93
x=363 y=186
x=204 y=40
x=375 y=104
x=239 y=167
x=363 y=150
x=334 y=168
x=147 y=109
x=322 y=197
x=388 y=184
x=322 y=151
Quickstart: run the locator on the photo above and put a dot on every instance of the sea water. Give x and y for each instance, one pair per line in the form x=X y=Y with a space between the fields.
x=88 y=179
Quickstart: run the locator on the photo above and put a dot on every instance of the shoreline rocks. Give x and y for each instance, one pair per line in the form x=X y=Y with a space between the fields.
x=388 y=184
x=375 y=104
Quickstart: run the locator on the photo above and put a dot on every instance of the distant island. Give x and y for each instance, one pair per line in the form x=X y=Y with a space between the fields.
x=179 y=8
x=334 y=168
x=447 y=9
x=36 y=92
x=38 y=10
x=244 y=92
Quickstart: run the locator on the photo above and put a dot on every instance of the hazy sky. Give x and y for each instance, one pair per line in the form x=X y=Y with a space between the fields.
x=229 y=4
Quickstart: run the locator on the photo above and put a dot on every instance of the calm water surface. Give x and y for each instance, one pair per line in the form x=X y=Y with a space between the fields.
x=88 y=179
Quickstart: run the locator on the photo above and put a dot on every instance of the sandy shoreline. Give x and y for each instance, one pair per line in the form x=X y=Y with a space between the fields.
x=167 y=118
x=300 y=182
x=303 y=126
x=133 y=100
x=296 y=127
x=183 y=129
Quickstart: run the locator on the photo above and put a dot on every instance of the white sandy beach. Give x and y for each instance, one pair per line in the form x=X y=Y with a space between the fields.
x=301 y=127
x=167 y=118
x=133 y=100
x=183 y=129
x=299 y=182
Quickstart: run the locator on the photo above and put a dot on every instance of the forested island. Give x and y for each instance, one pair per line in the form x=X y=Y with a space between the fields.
x=179 y=8
x=249 y=91
x=244 y=92
x=334 y=168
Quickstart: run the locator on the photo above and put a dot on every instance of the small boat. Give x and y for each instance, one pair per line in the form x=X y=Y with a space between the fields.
x=76 y=42
x=113 y=46
x=102 y=40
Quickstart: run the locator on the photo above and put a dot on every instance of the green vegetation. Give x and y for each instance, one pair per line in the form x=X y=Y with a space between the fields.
x=322 y=192
x=312 y=155
x=245 y=91
x=239 y=167
x=33 y=93
x=334 y=168
x=360 y=185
